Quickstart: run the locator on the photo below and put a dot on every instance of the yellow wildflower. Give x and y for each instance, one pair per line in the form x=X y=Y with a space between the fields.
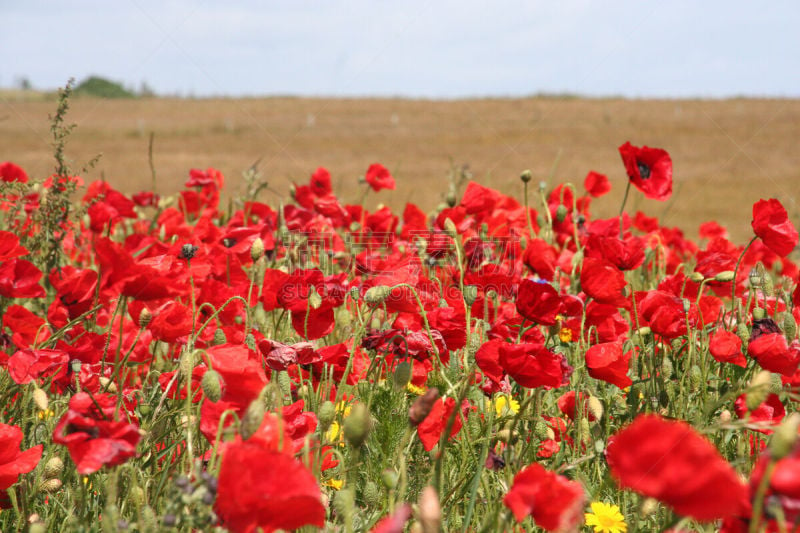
x=606 y=518
x=505 y=405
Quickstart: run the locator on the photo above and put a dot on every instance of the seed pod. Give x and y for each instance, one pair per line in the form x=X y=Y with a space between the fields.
x=451 y=198
x=212 y=385
x=422 y=406
x=326 y=414
x=252 y=418
x=357 y=426
x=758 y=390
x=53 y=467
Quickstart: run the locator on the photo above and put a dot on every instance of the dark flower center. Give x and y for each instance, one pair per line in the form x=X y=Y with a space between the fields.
x=644 y=170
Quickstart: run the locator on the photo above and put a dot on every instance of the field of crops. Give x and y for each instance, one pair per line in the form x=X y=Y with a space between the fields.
x=185 y=348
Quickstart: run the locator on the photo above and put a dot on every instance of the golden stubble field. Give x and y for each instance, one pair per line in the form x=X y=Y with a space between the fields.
x=727 y=153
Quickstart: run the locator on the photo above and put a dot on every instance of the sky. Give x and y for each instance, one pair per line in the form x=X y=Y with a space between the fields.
x=414 y=48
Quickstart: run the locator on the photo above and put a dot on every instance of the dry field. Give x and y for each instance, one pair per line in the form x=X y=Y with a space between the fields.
x=726 y=154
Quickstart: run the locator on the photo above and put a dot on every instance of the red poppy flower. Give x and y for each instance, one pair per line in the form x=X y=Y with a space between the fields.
x=538 y=302
x=260 y=486
x=649 y=170
x=20 y=279
x=774 y=354
x=566 y=404
x=533 y=365
x=554 y=502
x=625 y=254
x=607 y=362
x=771 y=223
x=602 y=281
x=770 y=412
x=663 y=312
x=430 y=430
x=13 y=462
x=10 y=246
x=92 y=433
x=321 y=182
x=783 y=487
x=379 y=178
x=27 y=365
x=11 y=172
x=541 y=258
x=671 y=462
x=596 y=184
x=726 y=347
x=394 y=523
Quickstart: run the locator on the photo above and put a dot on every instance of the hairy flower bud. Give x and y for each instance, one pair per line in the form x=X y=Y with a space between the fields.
x=357 y=426
x=326 y=414
x=53 y=468
x=470 y=294
x=758 y=390
x=422 y=406
x=50 y=485
x=252 y=418
x=561 y=213
x=219 y=337
x=257 y=249
x=724 y=276
x=696 y=277
x=402 y=374
x=212 y=385
x=526 y=176
x=376 y=295
x=371 y=494
x=145 y=317
x=40 y=399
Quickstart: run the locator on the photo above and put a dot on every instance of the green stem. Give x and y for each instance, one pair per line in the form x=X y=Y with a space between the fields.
x=622 y=208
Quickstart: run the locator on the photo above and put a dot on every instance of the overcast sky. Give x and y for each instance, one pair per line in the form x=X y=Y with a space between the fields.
x=415 y=48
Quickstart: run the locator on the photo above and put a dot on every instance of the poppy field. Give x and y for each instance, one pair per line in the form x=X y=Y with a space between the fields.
x=171 y=362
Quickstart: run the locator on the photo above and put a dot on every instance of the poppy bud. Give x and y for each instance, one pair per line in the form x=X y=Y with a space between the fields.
x=50 y=485
x=285 y=383
x=36 y=525
x=561 y=213
x=542 y=186
x=785 y=437
x=696 y=376
x=250 y=341
x=696 y=277
x=506 y=436
x=725 y=416
x=144 y=318
x=470 y=294
x=789 y=327
x=107 y=384
x=211 y=385
x=540 y=430
x=759 y=313
x=724 y=276
x=666 y=368
x=219 y=337
x=343 y=502
x=758 y=390
x=402 y=374
x=743 y=332
x=649 y=506
x=687 y=305
x=377 y=294
x=357 y=425
x=354 y=293
x=450 y=227
x=595 y=407
x=40 y=399
x=526 y=176
x=326 y=414
x=252 y=418
x=390 y=478
x=53 y=467
x=429 y=510
x=422 y=406
x=371 y=494
x=257 y=249
x=186 y=364
x=137 y=495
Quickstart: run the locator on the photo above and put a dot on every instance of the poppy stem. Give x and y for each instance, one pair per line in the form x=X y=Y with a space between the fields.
x=622 y=207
